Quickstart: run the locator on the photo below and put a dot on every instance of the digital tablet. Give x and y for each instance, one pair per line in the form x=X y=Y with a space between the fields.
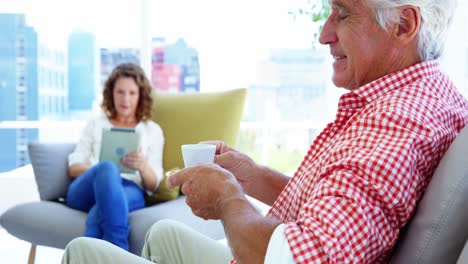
x=118 y=142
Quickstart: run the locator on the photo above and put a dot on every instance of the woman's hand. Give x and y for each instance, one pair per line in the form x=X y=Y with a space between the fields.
x=135 y=160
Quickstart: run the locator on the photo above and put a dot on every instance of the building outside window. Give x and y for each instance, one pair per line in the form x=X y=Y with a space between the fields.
x=53 y=63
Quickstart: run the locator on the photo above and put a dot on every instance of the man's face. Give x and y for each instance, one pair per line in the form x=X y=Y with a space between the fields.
x=361 y=49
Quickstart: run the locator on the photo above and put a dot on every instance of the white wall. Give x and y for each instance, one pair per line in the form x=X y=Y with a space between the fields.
x=455 y=59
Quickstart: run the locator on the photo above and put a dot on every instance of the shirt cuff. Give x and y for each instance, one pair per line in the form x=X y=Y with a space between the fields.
x=278 y=250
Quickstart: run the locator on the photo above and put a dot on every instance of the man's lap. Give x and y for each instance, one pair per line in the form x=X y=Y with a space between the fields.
x=166 y=242
x=91 y=250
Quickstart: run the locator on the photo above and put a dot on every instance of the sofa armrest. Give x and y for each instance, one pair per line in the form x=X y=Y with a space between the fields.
x=49 y=163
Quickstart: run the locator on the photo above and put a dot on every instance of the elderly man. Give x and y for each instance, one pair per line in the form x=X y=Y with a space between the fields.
x=362 y=177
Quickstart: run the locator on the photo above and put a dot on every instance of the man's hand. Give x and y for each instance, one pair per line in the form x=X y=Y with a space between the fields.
x=239 y=164
x=208 y=189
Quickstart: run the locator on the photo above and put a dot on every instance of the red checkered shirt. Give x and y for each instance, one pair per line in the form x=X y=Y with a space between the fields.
x=363 y=175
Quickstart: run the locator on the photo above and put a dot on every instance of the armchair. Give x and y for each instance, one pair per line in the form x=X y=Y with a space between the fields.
x=184 y=118
x=437 y=233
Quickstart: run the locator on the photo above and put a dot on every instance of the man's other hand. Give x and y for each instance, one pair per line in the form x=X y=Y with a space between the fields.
x=238 y=163
x=208 y=188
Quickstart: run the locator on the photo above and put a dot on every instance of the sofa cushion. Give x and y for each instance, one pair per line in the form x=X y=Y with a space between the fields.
x=208 y=115
x=33 y=222
x=439 y=230
x=190 y=118
x=142 y=220
x=44 y=223
x=163 y=193
x=49 y=163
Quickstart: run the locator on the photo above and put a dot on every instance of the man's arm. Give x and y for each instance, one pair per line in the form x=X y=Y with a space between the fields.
x=266 y=184
x=247 y=231
x=223 y=198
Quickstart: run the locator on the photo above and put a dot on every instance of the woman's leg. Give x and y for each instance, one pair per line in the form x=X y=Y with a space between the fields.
x=108 y=198
x=93 y=223
x=112 y=213
x=170 y=242
x=134 y=195
x=80 y=193
x=113 y=231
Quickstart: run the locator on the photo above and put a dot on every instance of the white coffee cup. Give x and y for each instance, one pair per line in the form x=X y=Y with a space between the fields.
x=194 y=154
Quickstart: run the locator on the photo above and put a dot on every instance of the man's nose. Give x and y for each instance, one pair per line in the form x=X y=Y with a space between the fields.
x=328 y=32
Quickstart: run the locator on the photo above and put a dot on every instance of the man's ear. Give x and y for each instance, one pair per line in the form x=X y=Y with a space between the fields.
x=410 y=22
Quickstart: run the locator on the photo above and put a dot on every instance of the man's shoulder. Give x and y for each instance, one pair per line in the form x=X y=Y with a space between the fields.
x=427 y=101
x=427 y=90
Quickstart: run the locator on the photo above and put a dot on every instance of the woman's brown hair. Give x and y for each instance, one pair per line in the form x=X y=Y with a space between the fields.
x=145 y=101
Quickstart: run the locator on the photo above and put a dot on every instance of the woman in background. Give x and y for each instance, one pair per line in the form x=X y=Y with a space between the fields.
x=99 y=187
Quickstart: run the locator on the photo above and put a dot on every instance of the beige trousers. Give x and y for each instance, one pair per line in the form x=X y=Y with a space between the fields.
x=167 y=242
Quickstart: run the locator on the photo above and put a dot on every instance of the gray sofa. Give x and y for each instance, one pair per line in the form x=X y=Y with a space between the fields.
x=184 y=118
x=437 y=233
x=53 y=224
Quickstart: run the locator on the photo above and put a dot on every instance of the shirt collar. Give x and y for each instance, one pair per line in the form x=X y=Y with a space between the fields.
x=367 y=93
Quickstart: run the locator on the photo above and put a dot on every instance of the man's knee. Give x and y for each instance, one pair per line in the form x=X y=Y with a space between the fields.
x=162 y=230
x=78 y=244
x=75 y=249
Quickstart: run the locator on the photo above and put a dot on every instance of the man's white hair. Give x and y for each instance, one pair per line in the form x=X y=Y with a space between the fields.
x=436 y=17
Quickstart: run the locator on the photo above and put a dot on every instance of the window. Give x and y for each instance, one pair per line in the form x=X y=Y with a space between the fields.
x=190 y=80
x=267 y=51
x=20 y=47
x=20 y=73
x=173 y=79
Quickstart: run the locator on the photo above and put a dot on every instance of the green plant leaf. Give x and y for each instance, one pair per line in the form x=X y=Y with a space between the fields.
x=317 y=10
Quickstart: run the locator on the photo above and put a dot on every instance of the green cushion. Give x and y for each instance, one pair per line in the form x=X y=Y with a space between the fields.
x=191 y=118
x=163 y=193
